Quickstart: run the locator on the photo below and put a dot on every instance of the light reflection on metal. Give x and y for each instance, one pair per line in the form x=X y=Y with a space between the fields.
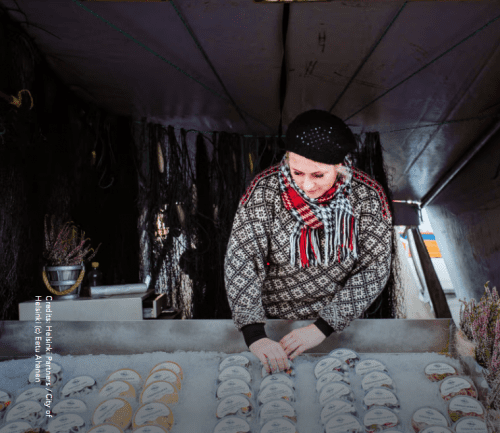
x=408 y=201
x=161 y=161
x=181 y=214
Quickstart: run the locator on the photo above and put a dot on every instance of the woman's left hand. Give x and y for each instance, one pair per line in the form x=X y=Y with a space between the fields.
x=301 y=339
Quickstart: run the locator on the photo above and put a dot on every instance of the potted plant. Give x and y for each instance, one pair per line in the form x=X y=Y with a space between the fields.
x=480 y=327
x=65 y=251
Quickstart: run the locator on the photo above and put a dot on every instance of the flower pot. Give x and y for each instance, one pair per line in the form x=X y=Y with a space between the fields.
x=61 y=278
x=464 y=346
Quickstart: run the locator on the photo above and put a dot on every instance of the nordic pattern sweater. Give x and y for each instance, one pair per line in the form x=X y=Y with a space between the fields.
x=260 y=281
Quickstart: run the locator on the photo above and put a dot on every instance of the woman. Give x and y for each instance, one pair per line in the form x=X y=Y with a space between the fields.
x=311 y=239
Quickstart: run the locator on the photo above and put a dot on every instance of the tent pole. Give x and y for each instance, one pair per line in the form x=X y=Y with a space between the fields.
x=462 y=162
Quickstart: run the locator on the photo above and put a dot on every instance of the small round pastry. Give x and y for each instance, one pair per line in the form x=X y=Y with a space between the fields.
x=380 y=397
x=336 y=407
x=66 y=423
x=114 y=411
x=70 y=405
x=169 y=365
x=117 y=388
x=277 y=378
x=160 y=391
x=368 y=366
x=43 y=376
x=350 y=357
x=335 y=391
x=327 y=365
x=332 y=376
x=232 y=424
x=231 y=360
x=36 y=393
x=462 y=406
x=275 y=391
x=377 y=379
x=279 y=425
x=426 y=417
x=16 y=427
x=235 y=372
x=232 y=387
x=237 y=405
x=6 y=399
x=29 y=411
x=470 y=425
x=126 y=374
x=277 y=409
x=438 y=371
x=78 y=387
x=155 y=413
x=380 y=419
x=343 y=423
x=456 y=385
x=165 y=375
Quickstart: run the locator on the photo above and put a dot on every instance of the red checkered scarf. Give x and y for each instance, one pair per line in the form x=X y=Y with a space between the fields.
x=331 y=212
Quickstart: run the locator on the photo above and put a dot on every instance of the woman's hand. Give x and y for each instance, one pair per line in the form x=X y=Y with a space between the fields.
x=271 y=354
x=301 y=339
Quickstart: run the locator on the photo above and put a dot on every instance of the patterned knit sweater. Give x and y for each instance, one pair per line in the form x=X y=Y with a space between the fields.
x=261 y=283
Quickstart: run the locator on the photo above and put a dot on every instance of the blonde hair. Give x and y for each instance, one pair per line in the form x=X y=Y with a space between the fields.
x=341 y=169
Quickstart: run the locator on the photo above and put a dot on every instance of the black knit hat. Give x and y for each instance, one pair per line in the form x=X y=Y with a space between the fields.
x=320 y=136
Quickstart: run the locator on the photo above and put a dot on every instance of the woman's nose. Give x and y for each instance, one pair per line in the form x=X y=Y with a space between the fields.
x=308 y=184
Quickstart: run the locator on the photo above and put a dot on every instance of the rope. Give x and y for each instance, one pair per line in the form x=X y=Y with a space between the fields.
x=163 y=58
x=65 y=292
x=209 y=63
x=16 y=101
x=368 y=56
x=423 y=67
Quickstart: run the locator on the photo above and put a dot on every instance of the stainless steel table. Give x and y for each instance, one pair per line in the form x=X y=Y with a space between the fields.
x=78 y=338
x=17 y=338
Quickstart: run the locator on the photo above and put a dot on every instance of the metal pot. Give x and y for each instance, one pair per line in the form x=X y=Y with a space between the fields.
x=62 y=278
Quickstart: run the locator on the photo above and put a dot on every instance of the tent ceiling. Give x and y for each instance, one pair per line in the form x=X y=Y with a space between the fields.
x=326 y=43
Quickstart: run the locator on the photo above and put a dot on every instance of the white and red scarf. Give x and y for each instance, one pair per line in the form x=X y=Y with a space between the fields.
x=331 y=212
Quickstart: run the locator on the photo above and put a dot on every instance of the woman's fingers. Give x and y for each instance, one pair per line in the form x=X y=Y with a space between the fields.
x=296 y=352
x=265 y=363
x=273 y=362
x=281 y=359
x=291 y=348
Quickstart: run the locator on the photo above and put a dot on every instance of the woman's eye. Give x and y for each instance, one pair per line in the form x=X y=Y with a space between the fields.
x=300 y=174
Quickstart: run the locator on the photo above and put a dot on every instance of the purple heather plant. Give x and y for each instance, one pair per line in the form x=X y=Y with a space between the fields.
x=481 y=324
x=65 y=244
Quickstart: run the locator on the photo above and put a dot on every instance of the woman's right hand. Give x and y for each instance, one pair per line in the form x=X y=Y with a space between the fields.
x=271 y=354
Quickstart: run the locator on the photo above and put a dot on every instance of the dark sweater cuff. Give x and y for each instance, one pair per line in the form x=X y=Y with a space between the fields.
x=324 y=327
x=253 y=332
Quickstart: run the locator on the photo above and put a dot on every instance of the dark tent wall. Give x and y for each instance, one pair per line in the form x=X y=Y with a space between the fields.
x=465 y=217
x=46 y=168
x=45 y=153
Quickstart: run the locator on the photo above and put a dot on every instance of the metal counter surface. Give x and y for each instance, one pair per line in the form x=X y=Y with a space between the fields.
x=17 y=338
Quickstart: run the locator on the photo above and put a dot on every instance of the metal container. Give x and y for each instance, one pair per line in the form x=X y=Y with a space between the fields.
x=62 y=278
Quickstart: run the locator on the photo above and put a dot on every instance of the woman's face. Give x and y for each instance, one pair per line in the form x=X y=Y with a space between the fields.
x=314 y=178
